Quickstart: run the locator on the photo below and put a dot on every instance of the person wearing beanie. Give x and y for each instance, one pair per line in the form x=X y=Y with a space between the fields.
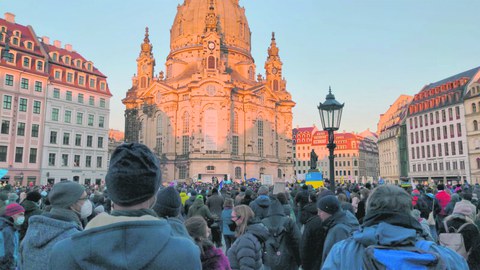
x=31 y=205
x=338 y=224
x=10 y=222
x=132 y=236
x=168 y=206
x=389 y=223
x=67 y=200
x=261 y=204
x=190 y=201
x=215 y=205
x=461 y=216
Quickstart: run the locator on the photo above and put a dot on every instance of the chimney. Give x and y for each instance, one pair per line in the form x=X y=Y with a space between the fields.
x=68 y=47
x=46 y=40
x=9 y=17
x=57 y=43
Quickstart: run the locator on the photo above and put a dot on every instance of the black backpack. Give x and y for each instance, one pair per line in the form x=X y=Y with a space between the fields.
x=276 y=253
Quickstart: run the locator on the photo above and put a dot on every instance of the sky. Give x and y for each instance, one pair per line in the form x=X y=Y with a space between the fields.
x=369 y=52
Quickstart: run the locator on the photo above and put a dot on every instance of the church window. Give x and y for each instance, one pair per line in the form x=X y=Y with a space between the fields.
x=182 y=172
x=235 y=145
x=186 y=123
x=211 y=62
x=235 y=122
x=474 y=107
x=279 y=173
x=159 y=146
x=185 y=144
x=260 y=127
x=475 y=125
x=238 y=172
x=275 y=85
x=159 y=125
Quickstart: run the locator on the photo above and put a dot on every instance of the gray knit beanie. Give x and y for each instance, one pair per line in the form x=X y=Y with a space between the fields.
x=65 y=193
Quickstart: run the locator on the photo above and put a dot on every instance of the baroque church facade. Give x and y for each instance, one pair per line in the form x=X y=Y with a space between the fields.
x=209 y=115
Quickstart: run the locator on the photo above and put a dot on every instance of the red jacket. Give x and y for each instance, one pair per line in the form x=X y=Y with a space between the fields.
x=443 y=198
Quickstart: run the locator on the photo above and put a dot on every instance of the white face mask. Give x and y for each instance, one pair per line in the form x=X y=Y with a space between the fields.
x=86 y=209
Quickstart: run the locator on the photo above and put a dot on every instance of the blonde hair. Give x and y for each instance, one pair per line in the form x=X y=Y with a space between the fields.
x=247 y=213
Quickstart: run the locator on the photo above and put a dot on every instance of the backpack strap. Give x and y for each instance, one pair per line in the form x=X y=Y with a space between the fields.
x=445 y=226
x=463 y=226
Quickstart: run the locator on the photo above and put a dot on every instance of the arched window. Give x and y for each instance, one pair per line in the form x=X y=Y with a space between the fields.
x=238 y=173
x=186 y=123
x=159 y=125
x=211 y=62
x=475 y=125
x=235 y=122
x=474 y=107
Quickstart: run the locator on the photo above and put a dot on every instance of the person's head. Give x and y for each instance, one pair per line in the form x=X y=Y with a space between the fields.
x=327 y=206
x=133 y=177
x=70 y=195
x=16 y=212
x=282 y=197
x=342 y=197
x=364 y=193
x=241 y=214
x=440 y=187
x=33 y=196
x=228 y=203
x=389 y=198
x=263 y=190
x=467 y=196
x=168 y=203
x=462 y=209
x=197 y=228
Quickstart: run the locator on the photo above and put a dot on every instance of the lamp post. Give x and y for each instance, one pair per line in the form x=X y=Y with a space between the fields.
x=5 y=52
x=330 y=115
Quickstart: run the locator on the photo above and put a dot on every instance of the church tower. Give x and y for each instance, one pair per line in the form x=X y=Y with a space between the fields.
x=208 y=116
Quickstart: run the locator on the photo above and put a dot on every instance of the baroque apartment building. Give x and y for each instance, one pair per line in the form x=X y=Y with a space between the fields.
x=472 y=122
x=23 y=87
x=55 y=111
x=76 y=122
x=392 y=145
x=437 y=131
x=210 y=115
x=356 y=157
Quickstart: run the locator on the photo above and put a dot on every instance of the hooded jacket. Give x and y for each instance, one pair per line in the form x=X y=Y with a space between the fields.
x=311 y=244
x=385 y=229
x=200 y=209
x=183 y=197
x=123 y=242
x=260 y=206
x=276 y=217
x=339 y=226
x=246 y=252
x=43 y=233
x=9 y=245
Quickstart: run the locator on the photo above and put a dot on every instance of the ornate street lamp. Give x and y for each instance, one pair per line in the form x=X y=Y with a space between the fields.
x=6 y=50
x=330 y=115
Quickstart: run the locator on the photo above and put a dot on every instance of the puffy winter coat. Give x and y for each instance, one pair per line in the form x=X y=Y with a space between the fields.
x=246 y=252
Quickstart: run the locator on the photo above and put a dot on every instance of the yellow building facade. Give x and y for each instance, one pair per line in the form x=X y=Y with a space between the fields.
x=209 y=115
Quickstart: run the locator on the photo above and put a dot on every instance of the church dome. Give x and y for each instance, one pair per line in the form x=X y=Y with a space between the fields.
x=190 y=24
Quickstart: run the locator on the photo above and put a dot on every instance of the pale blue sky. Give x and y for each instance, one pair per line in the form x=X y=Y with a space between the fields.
x=369 y=51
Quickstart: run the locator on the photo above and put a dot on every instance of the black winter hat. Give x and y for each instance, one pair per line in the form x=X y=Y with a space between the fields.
x=329 y=204
x=134 y=174
x=33 y=196
x=168 y=203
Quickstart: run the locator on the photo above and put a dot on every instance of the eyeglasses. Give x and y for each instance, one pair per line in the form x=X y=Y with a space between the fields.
x=83 y=199
x=236 y=218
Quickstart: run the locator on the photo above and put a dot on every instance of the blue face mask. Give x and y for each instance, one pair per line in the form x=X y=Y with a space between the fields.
x=20 y=220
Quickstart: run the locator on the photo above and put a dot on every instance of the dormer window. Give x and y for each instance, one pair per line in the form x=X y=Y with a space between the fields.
x=89 y=66
x=102 y=86
x=29 y=45
x=15 y=41
x=78 y=64
x=17 y=33
x=39 y=65
x=26 y=62
x=55 y=57
x=67 y=60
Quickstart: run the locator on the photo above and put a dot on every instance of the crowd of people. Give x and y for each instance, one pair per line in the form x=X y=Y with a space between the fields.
x=135 y=222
